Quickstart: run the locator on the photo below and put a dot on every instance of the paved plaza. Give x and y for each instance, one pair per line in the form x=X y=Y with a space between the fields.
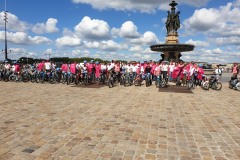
x=44 y=121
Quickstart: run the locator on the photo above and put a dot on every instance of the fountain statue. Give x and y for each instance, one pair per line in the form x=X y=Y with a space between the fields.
x=171 y=50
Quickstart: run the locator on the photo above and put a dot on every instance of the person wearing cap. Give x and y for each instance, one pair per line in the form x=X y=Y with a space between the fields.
x=7 y=65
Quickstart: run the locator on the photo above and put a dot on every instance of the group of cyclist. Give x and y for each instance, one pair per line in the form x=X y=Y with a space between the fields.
x=157 y=71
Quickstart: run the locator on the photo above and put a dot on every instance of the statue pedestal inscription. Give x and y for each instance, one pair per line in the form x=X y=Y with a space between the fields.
x=172 y=38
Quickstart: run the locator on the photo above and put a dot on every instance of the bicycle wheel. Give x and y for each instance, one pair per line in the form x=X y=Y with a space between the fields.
x=121 y=80
x=110 y=83
x=238 y=86
x=25 y=78
x=218 y=85
x=190 y=84
x=163 y=84
x=205 y=86
x=147 y=81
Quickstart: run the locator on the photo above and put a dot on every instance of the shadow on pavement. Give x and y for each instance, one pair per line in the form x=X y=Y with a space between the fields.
x=94 y=85
x=176 y=89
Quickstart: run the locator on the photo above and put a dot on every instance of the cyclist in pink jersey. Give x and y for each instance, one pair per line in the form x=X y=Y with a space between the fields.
x=64 y=67
x=73 y=68
x=98 y=69
x=40 y=66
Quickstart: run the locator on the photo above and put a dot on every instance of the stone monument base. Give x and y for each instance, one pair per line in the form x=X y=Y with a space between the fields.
x=172 y=38
x=172 y=55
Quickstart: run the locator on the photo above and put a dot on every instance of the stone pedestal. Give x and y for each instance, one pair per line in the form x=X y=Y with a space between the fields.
x=172 y=38
x=172 y=55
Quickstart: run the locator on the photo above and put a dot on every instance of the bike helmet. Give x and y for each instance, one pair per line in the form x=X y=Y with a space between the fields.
x=97 y=62
x=91 y=61
x=84 y=61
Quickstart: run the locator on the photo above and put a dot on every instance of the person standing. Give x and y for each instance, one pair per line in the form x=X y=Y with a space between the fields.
x=157 y=73
x=235 y=70
x=171 y=68
x=98 y=70
x=164 y=69
x=47 y=66
x=218 y=72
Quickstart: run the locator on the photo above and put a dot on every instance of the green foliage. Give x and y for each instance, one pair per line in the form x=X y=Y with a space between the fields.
x=26 y=60
x=65 y=59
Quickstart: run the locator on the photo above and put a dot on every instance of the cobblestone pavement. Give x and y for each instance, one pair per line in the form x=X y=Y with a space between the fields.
x=44 y=121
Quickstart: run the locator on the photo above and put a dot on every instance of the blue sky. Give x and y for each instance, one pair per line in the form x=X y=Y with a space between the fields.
x=125 y=29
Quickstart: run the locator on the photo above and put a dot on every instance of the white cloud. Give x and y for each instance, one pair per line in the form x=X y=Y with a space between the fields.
x=137 y=55
x=127 y=30
x=216 y=55
x=198 y=43
x=68 y=41
x=24 y=38
x=219 y=21
x=49 y=51
x=92 y=29
x=237 y=3
x=111 y=46
x=133 y=5
x=49 y=27
x=148 y=38
x=14 y=24
x=235 y=40
x=146 y=57
x=136 y=48
x=217 y=51
x=203 y=20
x=18 y=50
x=92 y=45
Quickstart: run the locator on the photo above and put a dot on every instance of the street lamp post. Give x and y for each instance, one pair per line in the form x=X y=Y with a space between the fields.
x=5 y=20
x=48 y=54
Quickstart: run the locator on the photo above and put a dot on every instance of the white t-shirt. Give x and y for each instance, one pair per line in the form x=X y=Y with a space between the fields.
x=78 y=66
x=135 y=68
x=128 y=68
x=109 y=67
x=103 y=67
x=13 y=68
x=192 y=69
x=142 y=69
x=7 y=66
x=164 y=67
x=47 y=65
x=171 y=67
x=218 y=71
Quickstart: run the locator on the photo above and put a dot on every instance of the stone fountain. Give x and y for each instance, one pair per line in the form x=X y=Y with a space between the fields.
x=171 y=50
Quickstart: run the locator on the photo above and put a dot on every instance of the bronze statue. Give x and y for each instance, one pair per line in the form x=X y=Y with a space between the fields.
x=173 y=20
